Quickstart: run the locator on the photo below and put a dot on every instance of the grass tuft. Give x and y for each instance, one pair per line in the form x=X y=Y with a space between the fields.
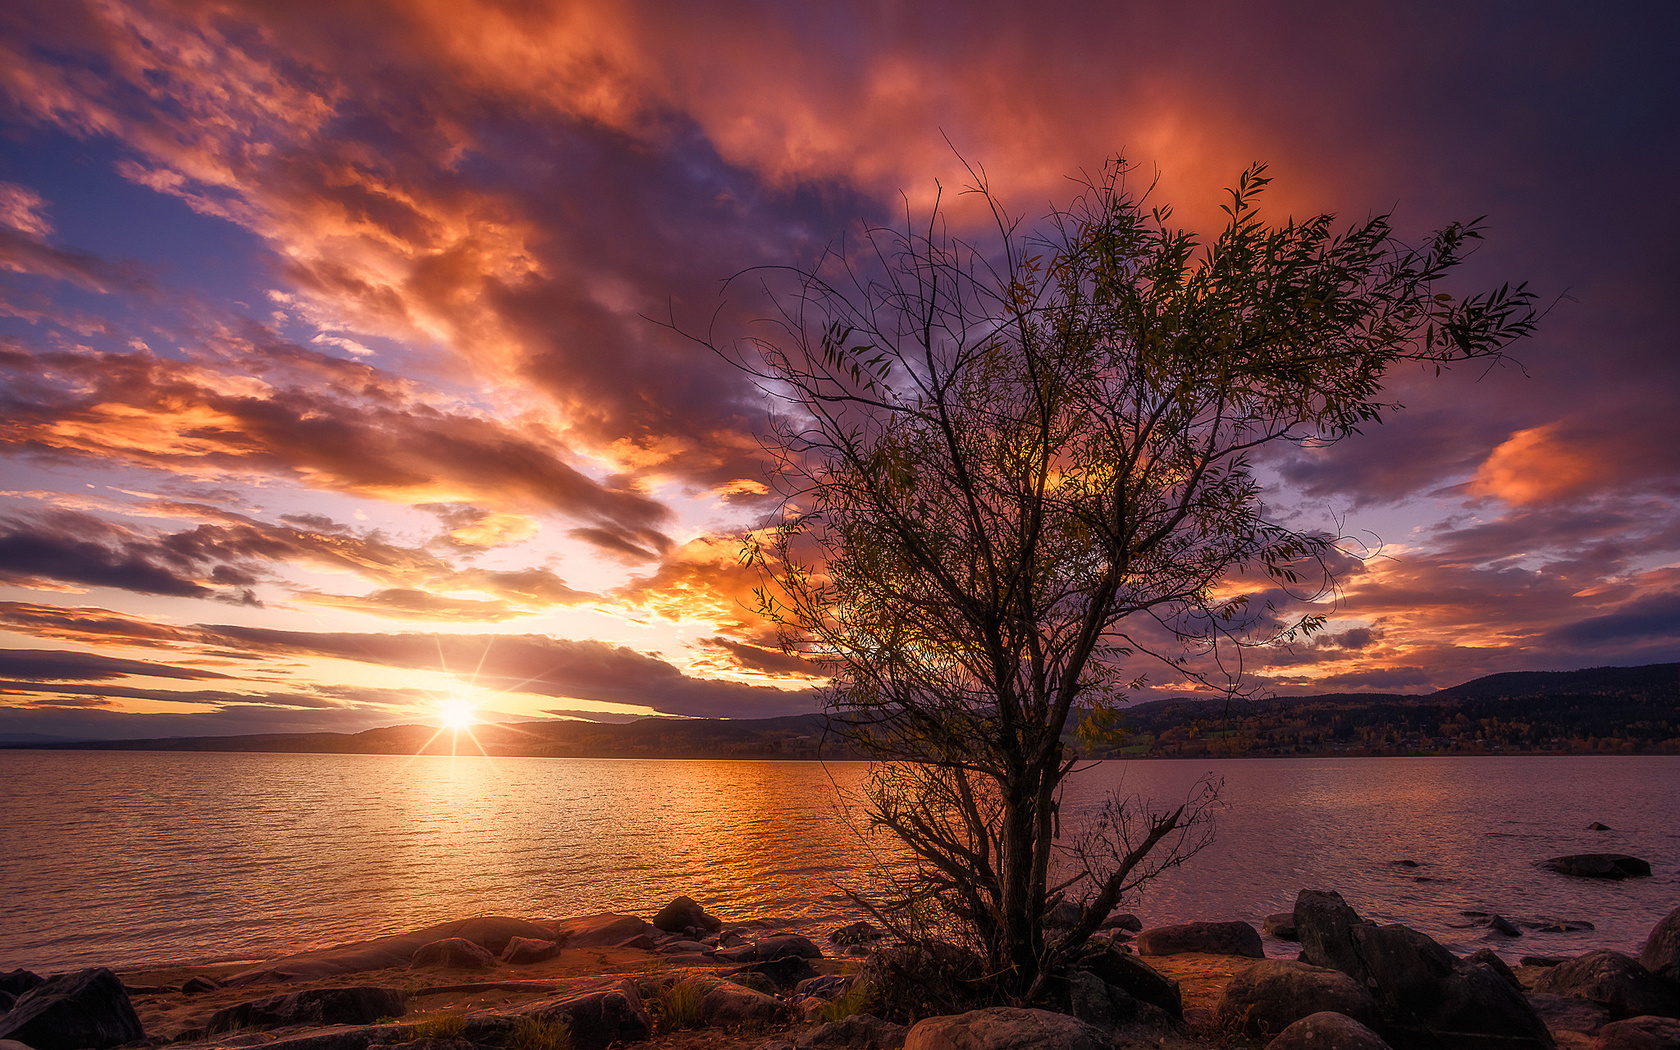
x=679 y=1005
x=538 y=1033
x=443 y=1026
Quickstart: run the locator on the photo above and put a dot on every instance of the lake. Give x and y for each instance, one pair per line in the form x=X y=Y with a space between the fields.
x=129 y=859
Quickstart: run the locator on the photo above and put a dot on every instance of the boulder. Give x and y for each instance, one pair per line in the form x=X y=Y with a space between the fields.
x=1599 y=866
x=1107 y=1007
x=1661 y=953
x=1122 y=920
x=1418 y=985
x=1614 y=981
x=199 y=985
x=680 y=914
x=1327 y=1031
x=785 y=973
x=454 y=953
x=787 y=944
x=19 y=981
x=316 y=1006
x=523 y=950
x=684 y=946
x=342 y=1038
x=1596 y=826
x=491 y=932
x=70 y=1011
x=1064 y=915
x=857 y=933
x=727 y=1003
x=857 y=1032
x=642 y=942
x=1004 y=1028
x=1490 y=958
x=1324 y=925
x=598 y=1019
x=1270 y=996
x=1503 y=926
x=740 y=953
x=602 y=930
x=1212 y=938
x=1565 y=1013
x=1281 y=926
x=1139 y=980
x=1640 y=1033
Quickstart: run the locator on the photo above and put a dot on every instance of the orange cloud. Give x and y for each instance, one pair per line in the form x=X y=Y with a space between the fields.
x=1535 y=465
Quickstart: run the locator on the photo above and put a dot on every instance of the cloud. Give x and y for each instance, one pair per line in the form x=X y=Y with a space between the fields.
x=57 y=665
x=579 y=670
x=350 y=429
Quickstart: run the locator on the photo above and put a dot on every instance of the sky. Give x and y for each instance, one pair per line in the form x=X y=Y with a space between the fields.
x=332 y=398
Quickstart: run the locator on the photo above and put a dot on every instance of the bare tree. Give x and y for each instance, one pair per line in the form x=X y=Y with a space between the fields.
x=1016 y=474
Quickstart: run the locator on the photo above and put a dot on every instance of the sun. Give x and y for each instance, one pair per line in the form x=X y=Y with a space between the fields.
x=457 y=714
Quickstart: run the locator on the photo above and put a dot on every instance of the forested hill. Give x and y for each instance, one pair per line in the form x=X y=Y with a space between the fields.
x=1604 y=709
x=1601 y=709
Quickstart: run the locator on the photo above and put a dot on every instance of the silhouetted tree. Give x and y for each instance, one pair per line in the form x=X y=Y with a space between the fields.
x=1014 y=473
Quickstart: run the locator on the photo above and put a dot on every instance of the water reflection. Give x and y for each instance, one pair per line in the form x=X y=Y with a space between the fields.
x=127 y=858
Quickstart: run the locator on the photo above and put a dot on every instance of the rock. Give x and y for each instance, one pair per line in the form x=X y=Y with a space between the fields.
x=641 y=942
x=1064 y=915
x=70 y=1011
x=318 y=1006
x=1490 y=958
x=342 y=1038
x=1544 y=960
x=1004 y=1028
x=1327 y=1031
x=857 y=1032
x=1661 y=953
x=683 y=946
x=740 y=953
x=826 y=986
x=1108 y=1008
x=199 y=984
x=680 y=914
x=1122 y=920
x=1270 y=996
x=597 y=1019
x=1213 y=938
x=455 y=953
x=1281 y=926
x=756 y=981
x=1640 y=1033
x=1564 y=926
x=1418 y=985
x=1596 y=826
x=523 y=950
x=1503 y=926
x=435 y=1044
x=787 y=944
x=1614 y=981
x=1324 y=924
x=857 y=933
x=593 y=931
x=1566 y=1013
x=727 y=1003
x=785 y=973
x=19 y=981
x=1139 y=980
x=1599 y=866
x=491 y=932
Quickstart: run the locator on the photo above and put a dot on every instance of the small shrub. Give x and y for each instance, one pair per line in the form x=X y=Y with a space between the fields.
x=679 y=1005
x=537 y=1033
x=443 y=1026
x=853 y=1000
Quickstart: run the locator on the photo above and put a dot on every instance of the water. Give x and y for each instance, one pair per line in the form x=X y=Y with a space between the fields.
x=130 y=859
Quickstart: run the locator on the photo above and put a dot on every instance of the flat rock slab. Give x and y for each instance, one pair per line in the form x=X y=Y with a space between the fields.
x=453 y=953
x=857 y=1032
x=1271 y=995
x=1599 y=866
x=1614 y=981
x=493 y=933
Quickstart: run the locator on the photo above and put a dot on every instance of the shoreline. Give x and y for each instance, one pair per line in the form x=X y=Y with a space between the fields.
x=487 y=974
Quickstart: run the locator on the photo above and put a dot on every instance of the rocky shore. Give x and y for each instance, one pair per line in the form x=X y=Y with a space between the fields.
x=686 y=980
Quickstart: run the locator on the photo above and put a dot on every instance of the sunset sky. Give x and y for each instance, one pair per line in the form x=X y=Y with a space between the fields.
x=330 y=394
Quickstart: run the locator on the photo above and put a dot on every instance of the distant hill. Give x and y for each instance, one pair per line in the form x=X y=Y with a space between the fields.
x=1597 y=710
